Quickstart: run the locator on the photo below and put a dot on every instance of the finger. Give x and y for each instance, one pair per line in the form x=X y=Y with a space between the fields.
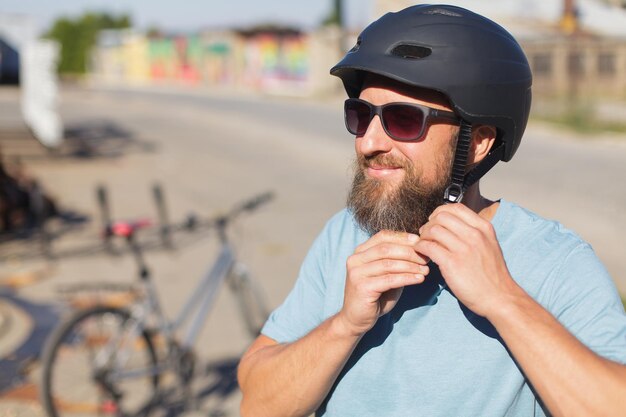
x=444 y=237
x=388 y=236
x=469 y=227
x=390 y=266
x=448 y=220
x=388 y=282
x=391 y=251
x=461 y=211
x=436 y=252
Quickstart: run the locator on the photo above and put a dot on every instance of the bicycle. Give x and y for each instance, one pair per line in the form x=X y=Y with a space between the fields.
x=126 y=353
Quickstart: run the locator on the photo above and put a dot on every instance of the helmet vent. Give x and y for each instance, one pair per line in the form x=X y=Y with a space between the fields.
x=411 y=51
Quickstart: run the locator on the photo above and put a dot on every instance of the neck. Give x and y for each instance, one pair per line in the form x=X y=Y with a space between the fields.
x=479 y=204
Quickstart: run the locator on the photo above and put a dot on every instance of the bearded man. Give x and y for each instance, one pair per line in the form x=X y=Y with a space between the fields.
x=423 y=297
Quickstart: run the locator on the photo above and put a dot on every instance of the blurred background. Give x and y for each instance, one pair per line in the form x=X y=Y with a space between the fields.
x=219 y=101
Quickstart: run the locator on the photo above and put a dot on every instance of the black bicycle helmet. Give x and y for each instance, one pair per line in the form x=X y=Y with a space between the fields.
x=475 y=62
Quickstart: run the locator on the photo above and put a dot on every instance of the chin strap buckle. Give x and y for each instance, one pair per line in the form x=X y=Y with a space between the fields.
x=453 y=194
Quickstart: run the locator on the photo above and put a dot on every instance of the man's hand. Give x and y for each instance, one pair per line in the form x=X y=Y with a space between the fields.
x=376 y=274
x=465 y=247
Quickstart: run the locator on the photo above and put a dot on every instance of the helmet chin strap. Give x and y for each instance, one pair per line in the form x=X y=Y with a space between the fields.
x=460 y=181
x=456 y=189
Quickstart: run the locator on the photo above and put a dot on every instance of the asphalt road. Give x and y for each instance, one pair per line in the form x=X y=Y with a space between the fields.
x=574 y=179
x=213 y=150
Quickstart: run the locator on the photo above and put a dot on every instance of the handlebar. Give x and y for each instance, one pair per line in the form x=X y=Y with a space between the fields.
x=191 y=223
x=250 y=205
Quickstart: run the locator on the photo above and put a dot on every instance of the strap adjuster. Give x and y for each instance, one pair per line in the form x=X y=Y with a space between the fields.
x=453 y=194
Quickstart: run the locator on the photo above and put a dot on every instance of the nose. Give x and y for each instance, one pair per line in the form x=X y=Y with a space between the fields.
x=375 y=139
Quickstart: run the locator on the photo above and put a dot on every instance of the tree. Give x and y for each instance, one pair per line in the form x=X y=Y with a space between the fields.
x=78 y=36
x=335 y=17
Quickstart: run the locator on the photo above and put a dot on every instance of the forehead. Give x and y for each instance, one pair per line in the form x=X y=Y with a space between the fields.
x=393 y=90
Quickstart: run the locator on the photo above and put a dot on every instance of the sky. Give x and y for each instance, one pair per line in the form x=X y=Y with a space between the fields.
x=195 y=14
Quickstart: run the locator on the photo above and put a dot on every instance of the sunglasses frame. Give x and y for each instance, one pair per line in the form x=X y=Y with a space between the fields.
x=428 y=112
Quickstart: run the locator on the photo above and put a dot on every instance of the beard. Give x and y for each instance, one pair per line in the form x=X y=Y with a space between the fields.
x=378 y=205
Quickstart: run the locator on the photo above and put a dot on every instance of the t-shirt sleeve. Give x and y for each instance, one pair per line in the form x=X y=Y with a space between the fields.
x=585 y=300
x=302 y=310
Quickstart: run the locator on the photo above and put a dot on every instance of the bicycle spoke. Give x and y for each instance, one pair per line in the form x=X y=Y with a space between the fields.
x=84 y=376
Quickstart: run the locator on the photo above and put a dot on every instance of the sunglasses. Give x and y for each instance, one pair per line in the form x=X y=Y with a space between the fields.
x=401 y=121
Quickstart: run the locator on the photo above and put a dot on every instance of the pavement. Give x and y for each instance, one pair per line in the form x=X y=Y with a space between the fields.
x=119 y=142
x=15 y=326
x=31 y=303
x=211 y=151
x=25 y=326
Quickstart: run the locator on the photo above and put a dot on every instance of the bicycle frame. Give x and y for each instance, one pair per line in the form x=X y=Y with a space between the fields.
x=205 y=296
x=202 y=298
x=197 y=307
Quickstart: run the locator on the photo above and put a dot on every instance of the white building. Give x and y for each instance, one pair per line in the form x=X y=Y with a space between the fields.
x=589 y=63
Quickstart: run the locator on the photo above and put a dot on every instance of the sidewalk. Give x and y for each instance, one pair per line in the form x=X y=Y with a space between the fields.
x=20 y=347
x=16 y=326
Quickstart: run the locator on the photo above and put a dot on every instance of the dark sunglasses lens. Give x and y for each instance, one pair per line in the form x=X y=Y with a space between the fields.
x=357 y=117
x=403 y=122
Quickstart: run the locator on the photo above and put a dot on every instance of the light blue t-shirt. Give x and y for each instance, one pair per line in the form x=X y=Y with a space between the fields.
x=431 y=356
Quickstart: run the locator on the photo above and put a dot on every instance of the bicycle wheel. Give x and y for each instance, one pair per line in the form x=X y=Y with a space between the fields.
x=83 y=357
x=250 y=299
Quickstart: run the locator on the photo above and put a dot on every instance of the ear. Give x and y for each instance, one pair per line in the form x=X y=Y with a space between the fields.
x=483 y=138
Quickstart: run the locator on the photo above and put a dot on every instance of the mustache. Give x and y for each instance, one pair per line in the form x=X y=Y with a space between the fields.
x=384 y=160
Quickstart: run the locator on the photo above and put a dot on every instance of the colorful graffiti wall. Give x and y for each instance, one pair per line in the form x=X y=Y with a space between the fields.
x=276 y=62
x=176 y=58
x=263 y=61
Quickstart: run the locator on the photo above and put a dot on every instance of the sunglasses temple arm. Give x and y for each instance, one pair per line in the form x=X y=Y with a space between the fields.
x=442 y=114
